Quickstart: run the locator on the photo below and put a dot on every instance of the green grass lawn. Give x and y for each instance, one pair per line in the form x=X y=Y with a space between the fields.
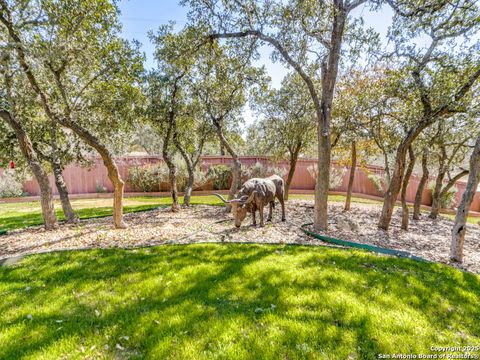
x=232 y=302
x=23 y=214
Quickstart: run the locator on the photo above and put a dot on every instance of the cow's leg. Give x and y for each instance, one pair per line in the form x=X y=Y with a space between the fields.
x=270 y=210
x=260 y=210
x=254 y=218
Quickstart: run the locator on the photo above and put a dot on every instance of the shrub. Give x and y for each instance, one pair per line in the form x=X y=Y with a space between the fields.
x=258 y=170
x=220 y=175
x=9 y=185
x=145 y=178
x=379 y=181
x=100 y=188
x=336 y=176
x=200 y=176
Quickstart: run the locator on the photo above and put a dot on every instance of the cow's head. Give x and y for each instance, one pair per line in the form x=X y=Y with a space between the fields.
x=239 y=206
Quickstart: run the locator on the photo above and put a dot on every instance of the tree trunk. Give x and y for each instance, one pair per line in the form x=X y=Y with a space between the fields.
x=421 y=186
x=393 y=189
x=353 y=167
x=406 y=180
x=173 y=182
x=323 y=180
x=442 y=192
x=452 y=182
x=291 y=171
x=189 y=188
x=46 y=199
x=190 y=166
x=172 y=169
x=112 y=169
x=387 y=168
x=398 y=171
x=438 y=187
x=70 y=216
x=236 y=180
x=329 y=78
x=459 y=228
x=236 y=166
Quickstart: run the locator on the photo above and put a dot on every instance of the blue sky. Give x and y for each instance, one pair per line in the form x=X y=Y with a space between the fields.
x=140 y=16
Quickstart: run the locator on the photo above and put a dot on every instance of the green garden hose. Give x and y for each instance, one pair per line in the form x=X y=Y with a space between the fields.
x=372 y=248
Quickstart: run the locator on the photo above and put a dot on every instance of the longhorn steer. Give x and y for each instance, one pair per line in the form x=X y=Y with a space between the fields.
x=254 y=195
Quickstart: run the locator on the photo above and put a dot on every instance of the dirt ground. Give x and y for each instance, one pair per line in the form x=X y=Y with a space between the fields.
x=426 y=238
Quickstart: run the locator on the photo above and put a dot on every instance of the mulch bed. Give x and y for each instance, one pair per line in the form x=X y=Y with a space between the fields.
x=426 y=238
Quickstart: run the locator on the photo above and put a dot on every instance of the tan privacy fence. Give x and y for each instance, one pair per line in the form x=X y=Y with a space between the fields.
x=94 y=179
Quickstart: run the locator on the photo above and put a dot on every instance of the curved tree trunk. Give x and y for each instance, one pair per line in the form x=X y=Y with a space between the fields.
x=452 y=182
x=398 y=171
x=112 y=169
x=443 y=192
x=291 y=171
x=406 y=180
x=70 y=216
x=421 y=186
x=353 y=167
x=236 y=166
x=46 y=199
x=459 y=228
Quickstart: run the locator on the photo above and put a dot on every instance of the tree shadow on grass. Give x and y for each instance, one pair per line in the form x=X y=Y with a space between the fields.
x=440 y=295
x=231 y=301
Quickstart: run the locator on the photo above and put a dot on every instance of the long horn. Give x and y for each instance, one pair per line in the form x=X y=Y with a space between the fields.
x=236 y=201
x=221 y=198
x=241 y=200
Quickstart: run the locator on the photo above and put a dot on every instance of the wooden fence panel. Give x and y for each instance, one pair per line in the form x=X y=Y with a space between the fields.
x=91 y=180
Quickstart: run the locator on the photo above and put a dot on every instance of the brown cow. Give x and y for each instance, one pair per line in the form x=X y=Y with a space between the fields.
x=254 y=195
